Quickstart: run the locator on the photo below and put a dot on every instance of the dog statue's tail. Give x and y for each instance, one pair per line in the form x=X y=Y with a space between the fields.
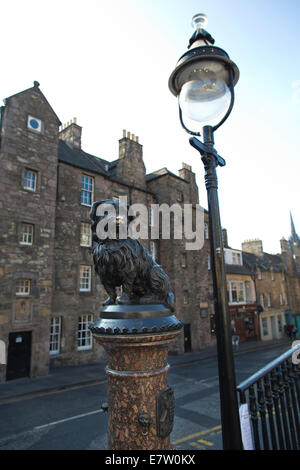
x=160 y=285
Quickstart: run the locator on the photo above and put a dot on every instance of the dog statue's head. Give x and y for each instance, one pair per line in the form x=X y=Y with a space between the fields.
x=109 y=220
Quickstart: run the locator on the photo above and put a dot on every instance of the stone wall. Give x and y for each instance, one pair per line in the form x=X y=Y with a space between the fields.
x=24 y=148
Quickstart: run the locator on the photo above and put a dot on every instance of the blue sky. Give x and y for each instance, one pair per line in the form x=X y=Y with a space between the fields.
x=108 y=64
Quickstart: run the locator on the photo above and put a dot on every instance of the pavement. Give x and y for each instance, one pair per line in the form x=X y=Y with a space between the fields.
x=72 y=377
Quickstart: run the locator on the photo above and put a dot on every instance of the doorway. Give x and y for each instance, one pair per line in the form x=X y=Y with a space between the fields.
x=187 y=338
x=19 y=355
x=274 y=329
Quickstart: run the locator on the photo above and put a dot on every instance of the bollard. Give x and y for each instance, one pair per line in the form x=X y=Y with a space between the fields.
x=140 y=402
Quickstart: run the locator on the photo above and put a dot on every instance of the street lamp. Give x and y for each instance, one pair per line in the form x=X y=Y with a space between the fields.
x=204 y=80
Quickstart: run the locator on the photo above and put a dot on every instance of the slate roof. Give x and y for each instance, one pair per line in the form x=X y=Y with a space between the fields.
x=81 y=159
x=237 y=269
x=262 y=262
x=162 y=172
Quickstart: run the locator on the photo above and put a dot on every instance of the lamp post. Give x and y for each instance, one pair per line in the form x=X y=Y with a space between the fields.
x=204 y=80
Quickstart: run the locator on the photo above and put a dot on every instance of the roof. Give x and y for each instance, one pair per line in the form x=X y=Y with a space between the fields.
x=162 y=172
x=81 y=159
x=37 y=89
x=237 y=269
x=265 y=261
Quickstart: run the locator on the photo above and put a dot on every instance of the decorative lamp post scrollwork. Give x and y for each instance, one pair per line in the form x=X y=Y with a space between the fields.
x=204 y=80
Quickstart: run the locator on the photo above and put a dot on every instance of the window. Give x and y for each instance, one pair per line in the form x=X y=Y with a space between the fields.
x=208 y=261
x=179 y=196
x=85 y=339
x=262 y=300
x=269 y=300
x=206 y=231
x=236 y=292
x=23 y=287
x=185 y=297
x=30 y=179
x=259 y=277
x=183 y=260
x=280 y=299
x=26 y=236
x=85 y=234
x=236 y=258
x=265 y=328
x=55 y=333
x=153 y=250
x=272 y=276
x=85 y=278
x=150 y=214
x=87 y=190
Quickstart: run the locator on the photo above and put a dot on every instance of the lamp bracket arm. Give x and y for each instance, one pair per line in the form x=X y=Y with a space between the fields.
x=205 y=150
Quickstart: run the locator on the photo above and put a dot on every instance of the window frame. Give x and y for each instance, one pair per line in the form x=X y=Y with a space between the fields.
x=81 y=269
x=84 y=191
x=54 y=334
x=206 y=233
x=186 y=297
x=22 y=233
x=88 y=318
x=33 y=172
x=23 y=281
x=83 y=232
x=238 y=288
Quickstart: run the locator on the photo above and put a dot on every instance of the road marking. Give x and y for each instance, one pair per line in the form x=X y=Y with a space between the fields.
x=36 y=428
x=42 y=393
x=207 y=443
x=198 y=446
x=198 y=434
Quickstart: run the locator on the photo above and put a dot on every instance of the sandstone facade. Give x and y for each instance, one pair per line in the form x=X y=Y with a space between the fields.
x=49 y=291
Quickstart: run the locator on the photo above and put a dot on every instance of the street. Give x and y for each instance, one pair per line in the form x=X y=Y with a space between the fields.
x=73 y=419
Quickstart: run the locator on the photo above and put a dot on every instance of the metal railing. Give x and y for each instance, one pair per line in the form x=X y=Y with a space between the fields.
x=273 y=398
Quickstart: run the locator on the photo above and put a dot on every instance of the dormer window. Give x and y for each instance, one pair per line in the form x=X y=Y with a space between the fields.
x=34 y=124
x=236 y=258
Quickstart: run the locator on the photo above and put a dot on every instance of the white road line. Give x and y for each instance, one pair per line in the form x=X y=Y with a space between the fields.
x=36 y=428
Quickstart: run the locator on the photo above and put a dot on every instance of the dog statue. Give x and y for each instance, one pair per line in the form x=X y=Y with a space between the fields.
x=124 y=262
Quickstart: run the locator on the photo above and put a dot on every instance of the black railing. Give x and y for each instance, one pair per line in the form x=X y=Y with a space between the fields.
x=273 y=398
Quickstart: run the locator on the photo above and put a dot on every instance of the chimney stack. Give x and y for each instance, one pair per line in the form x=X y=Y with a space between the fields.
x=71 y=134
x=253 y=246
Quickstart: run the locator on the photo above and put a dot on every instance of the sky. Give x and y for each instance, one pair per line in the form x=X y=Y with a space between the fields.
x=107 y=63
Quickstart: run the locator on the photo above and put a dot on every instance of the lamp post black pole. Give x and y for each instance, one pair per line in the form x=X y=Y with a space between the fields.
x=227 y=384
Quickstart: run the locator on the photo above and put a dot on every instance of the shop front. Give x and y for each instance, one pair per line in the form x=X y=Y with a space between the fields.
x=244 y=321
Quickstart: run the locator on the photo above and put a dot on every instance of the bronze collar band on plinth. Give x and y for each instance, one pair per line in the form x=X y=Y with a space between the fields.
x=135 y=319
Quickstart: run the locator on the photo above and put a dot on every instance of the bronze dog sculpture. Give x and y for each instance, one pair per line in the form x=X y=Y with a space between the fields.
x=126 y=263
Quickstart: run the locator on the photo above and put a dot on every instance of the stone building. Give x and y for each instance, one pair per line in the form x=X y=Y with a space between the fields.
x=263 y=289
x=49 y=292
x=290 y=252
x=271 y=284
x=241 y=295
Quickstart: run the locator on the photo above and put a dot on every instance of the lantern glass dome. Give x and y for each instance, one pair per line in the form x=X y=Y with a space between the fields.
x=204 y=93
